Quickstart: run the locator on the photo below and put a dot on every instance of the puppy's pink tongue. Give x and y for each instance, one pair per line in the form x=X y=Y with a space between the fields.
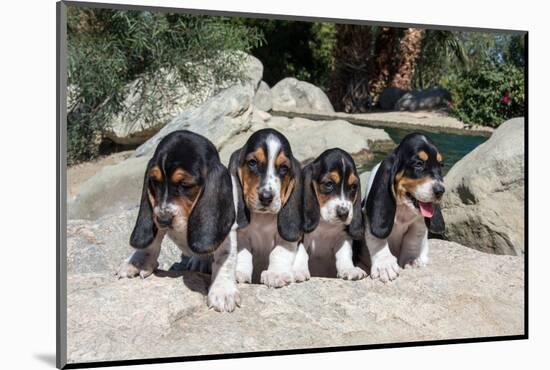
x=427 y=209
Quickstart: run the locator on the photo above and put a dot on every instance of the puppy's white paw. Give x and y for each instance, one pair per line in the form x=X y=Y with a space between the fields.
x=243 y=278
x=139 y=264
x=385 y=268
x=276 y=279
x=355 y=273
x=301 y=276
x=414 y=263
x=224 y=297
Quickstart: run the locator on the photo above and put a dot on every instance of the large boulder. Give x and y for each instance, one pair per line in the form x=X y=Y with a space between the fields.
x=263 y=100
x=436 y=97
x=482 y=295
x=292 y=95
x=135 y=124
x=113 y=188
x=310 y=138
x=100 y=246
x=389 y=97
x=484 y=201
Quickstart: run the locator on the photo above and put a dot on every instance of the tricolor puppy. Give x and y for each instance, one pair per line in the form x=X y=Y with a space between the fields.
x=187 y=195
x=332 y=217
x=268 y=192
x=401 y=204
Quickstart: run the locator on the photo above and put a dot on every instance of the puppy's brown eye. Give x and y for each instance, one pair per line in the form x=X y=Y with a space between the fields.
x=186 y=185
x=252 y=163
x=354 y=187
x=283 y=170
x=327 y=187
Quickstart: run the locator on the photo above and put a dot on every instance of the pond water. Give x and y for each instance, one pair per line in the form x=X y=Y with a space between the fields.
x=452 y=146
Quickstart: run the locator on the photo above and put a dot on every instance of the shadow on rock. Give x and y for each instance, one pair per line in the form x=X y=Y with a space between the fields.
x=195 y=281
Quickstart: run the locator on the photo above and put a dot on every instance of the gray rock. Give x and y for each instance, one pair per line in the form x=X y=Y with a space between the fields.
x=435 y=97
x=463 y=293
x=100 y=246
x=221 y=117
x=310 y=138
x=135 y=124
x=113 y=188
x=389 y=97
x=263 y=100
x=292 y=95
x=484 y=201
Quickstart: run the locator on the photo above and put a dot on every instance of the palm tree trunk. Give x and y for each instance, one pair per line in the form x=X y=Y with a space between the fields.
x=383 y=67
x=348 y=89
x=409 y=50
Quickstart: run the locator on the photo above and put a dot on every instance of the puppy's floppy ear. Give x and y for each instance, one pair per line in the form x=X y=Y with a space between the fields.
x=214 y=213
x=243 y=214
x=289 y=219
x=436 y=224
x=312 y=212
x=380 y=206
x=145 y=229
x=356 y=228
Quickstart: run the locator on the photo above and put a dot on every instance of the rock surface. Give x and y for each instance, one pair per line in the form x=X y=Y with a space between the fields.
x=292 y=95
x=484 y=201
x=310 y=138
x=136 y=124
x=113 y=188
x=435 y=97
x=220 y=117
x=263 y=100
x=463 y=293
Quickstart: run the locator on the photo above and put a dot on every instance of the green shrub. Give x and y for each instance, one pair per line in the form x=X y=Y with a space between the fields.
x=294 y=49
x=107 y=49
x=478 y=92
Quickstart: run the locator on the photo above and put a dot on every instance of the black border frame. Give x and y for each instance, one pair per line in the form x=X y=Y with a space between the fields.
x=61 y=197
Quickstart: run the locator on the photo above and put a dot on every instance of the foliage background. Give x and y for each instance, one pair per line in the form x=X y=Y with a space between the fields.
x=108 y=49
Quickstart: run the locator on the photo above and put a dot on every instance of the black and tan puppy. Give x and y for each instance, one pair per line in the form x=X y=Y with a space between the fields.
x=401 y=205
x=187 y=195
x=268 y=191
x=332 y=217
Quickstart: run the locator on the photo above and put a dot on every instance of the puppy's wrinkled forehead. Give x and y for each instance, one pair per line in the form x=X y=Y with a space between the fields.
x=338 y=165
x=420 y=147
x=178 y=162
x=266 y=143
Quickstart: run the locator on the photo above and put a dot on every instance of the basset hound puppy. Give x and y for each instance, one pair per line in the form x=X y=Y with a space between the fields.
x=401 y=205
x=332 y=217
x=187 y=196
x=268 y=189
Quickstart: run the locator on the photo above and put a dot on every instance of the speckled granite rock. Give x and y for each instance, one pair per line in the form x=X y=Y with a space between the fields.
x=484 y=202
x=463 y=293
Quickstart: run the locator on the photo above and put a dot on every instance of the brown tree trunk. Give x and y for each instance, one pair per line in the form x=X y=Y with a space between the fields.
x=409 y=50
x=348 y=89
x=383 y=67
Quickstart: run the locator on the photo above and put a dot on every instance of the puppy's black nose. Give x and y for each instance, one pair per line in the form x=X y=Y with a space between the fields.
x=438 y=189
x=342 y=213
x=164 y=220
x=266 y=197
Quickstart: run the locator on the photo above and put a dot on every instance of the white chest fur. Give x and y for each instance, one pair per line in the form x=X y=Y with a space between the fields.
x=179 y=237
x=322 y=245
